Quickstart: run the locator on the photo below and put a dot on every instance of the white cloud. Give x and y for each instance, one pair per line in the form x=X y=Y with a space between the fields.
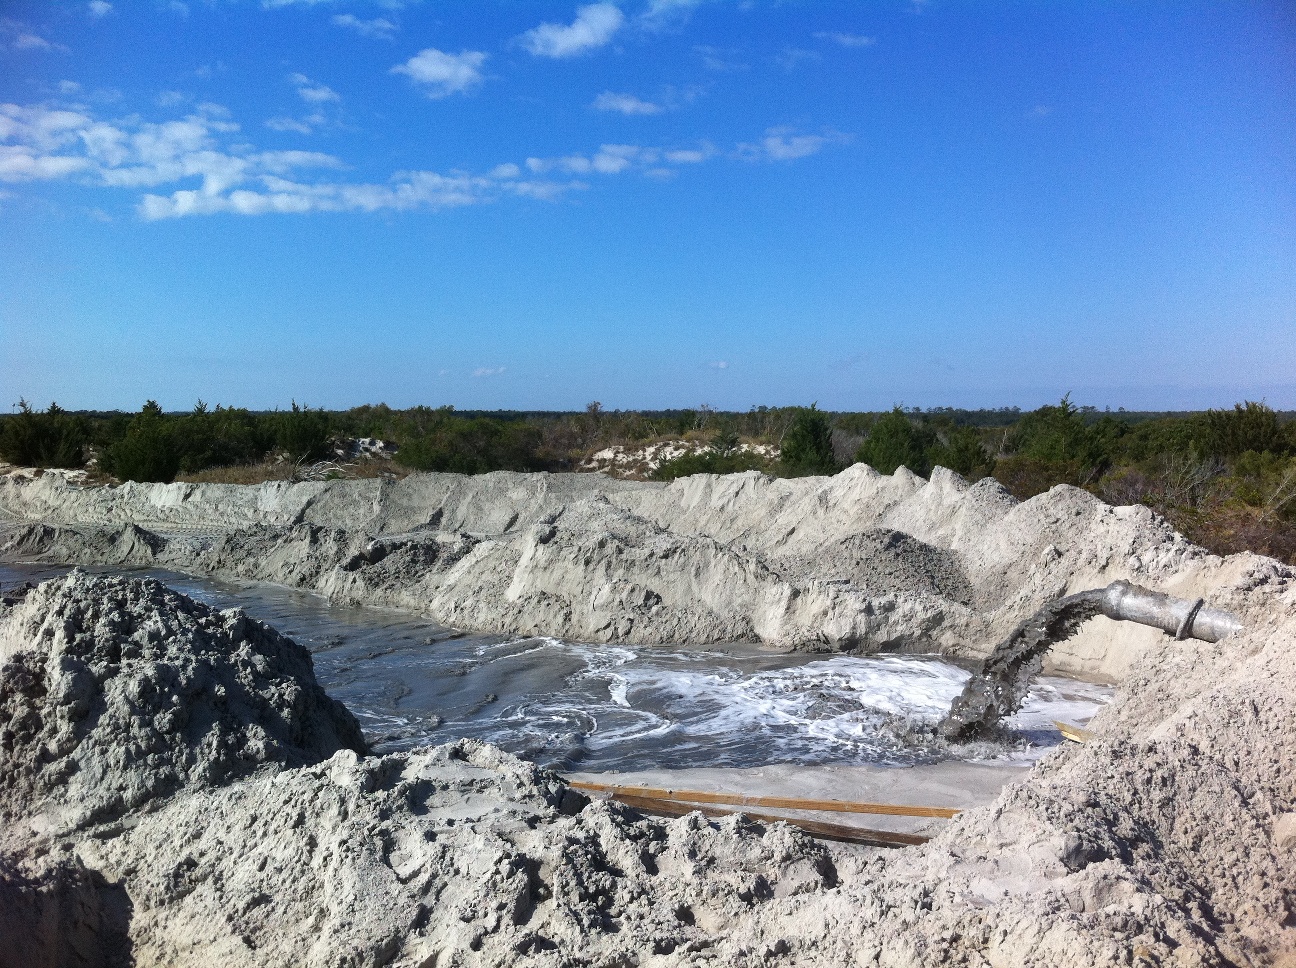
x=167 y=99
x=715 y=59
x=203 y=164
x=488 y=370
x=68 y=87
x=18 y=164
x=661 y=12
x=593 y=27
x=782 y=144
x=289 y=124
x=444 y=74
x=719 y=365
x=311 y=92
x=846 y=40
x=99 y=8
x=791 y=57
x=608 y=160
x=30 y=41
x=689 y=156
x=380 y=28
x=625 y=104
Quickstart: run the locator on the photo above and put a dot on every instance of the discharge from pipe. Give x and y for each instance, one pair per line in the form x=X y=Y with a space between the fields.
x=1000 y=688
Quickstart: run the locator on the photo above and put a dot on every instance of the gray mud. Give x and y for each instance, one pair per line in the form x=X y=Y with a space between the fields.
x=1001 y=685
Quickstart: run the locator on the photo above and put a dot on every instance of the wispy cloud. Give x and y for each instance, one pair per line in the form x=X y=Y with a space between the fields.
x=296 y=125
x=663 y=12
x=720 y=61
x=379 y=28
x=719 y=365
x=99 y=8
x=443 y=74
x=319 y=96
x=311 y=92
x=608 y=160
x=784 y=144
x=689 y=156
x=792 y=57
x=203 y=164
x=846 y=40
x=20 y=36
x=624 y=104
x=489 y=370
x=594 y=26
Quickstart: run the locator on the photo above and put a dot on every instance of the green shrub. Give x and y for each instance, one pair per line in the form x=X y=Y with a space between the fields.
x=1027 y=476
x=963 y=453
x=708 y=462
x=148 y=452
x=224 y=437
x=807 y=446
x=302 y=433
x=473 y=446
x=896 y=440
x=54 y=438
x=1061 y=437
x=1249 y=426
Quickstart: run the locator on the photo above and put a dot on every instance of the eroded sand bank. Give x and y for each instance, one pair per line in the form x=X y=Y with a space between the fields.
x=856 y=561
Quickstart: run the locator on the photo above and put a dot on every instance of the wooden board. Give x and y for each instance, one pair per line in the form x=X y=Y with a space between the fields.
x=781 y=803
x=828 y=831
x=1075 y=734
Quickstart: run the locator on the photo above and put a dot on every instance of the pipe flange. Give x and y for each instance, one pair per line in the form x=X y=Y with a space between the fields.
x=1185 y=627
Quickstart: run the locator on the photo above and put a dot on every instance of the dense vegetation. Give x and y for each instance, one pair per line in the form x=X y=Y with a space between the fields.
x=1226 y=478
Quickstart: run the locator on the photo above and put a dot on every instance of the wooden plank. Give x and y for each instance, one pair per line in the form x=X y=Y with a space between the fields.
x=1075 y=734
x=817 y=828
x=781 y=803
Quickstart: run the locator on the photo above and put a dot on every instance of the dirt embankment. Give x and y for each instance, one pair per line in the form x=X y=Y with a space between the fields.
x=178 y=791
x=856 y=561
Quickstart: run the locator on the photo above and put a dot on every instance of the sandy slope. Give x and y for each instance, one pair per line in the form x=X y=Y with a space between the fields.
x=248 y=833
x=856 y=561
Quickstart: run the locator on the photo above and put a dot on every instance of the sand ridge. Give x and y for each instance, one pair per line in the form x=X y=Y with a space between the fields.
x=858 y=561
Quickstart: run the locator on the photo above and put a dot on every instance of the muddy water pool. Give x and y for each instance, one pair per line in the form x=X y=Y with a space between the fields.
x=599 y=707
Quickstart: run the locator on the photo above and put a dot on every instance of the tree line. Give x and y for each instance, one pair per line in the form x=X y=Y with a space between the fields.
x=1226 y=478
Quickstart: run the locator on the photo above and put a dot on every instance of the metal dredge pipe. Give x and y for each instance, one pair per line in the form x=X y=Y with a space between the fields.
x=1181 y=617
x=999 y=689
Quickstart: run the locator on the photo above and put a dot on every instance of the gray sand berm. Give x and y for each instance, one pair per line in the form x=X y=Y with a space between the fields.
x=859 y=561
x=176 y=789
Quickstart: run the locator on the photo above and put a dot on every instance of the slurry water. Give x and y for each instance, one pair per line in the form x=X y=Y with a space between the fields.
x=596 y=707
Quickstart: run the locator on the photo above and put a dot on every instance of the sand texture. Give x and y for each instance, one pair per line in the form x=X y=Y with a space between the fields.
x=859 y=561
x=1170 y=839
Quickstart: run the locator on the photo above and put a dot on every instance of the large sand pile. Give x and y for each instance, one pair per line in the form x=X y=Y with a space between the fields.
x=856 y=561
x=1168 y=840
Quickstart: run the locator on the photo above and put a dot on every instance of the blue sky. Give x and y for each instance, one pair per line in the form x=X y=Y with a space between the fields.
x=652 y=203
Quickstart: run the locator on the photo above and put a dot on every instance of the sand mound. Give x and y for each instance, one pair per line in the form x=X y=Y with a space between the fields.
x=1168 y=840
x=114 y=692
